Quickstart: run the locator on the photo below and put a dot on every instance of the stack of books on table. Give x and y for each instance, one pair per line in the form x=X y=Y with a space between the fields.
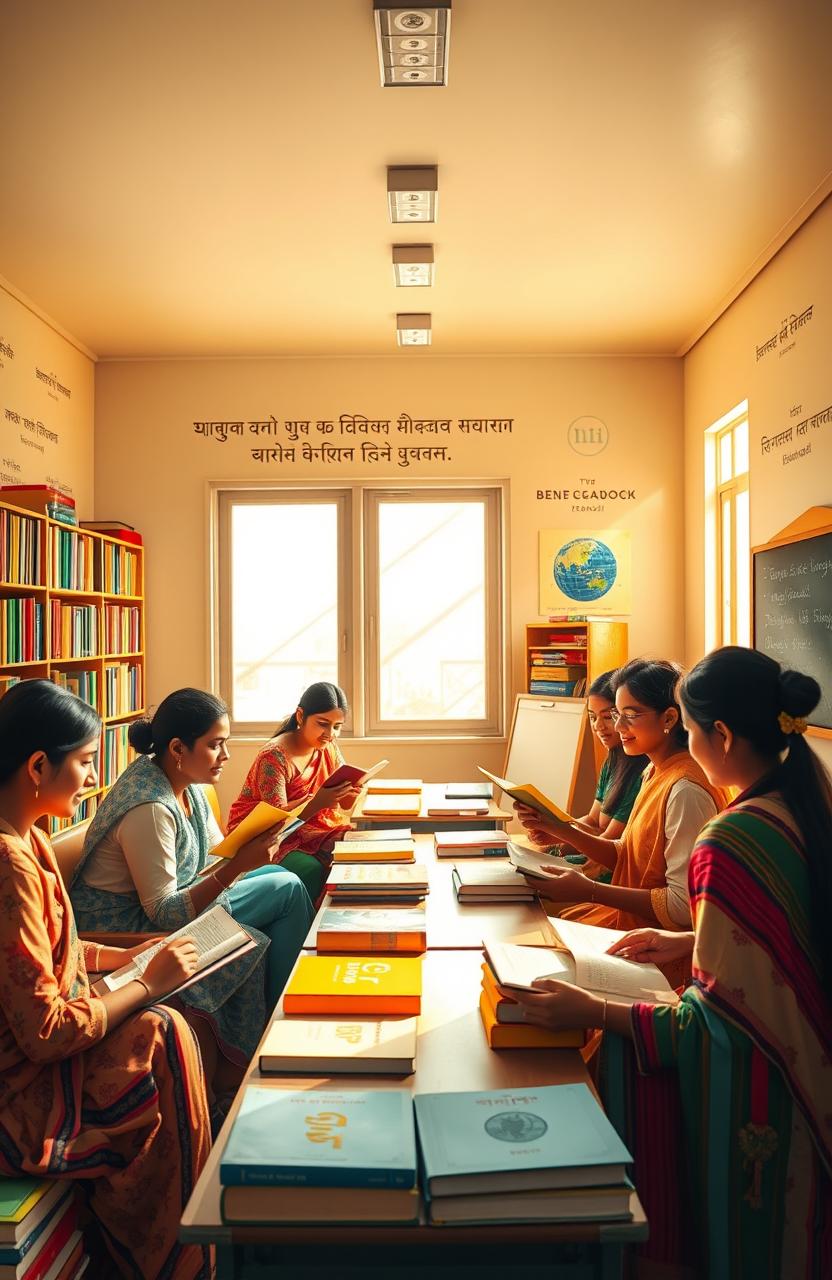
x=373 y=928
x=354 y=984
x=526 y=1154
x=497 y=882
x=322 y=1156
x=502 y=1020
x=385 y=882
x=393 y=797
x=340 y=1046
x=473 y=807
x=470 y=844
x=39 y=1239
x=374 y=846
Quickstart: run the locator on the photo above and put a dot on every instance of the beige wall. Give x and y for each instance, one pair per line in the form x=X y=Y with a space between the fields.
x=41 y=407
x=152 y=470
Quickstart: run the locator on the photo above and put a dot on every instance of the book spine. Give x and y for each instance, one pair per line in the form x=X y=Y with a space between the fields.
x=371 y=942
x=264 y=1175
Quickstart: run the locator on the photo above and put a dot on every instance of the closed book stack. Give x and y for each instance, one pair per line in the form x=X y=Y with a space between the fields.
x=521 y=1155
x=35 y=497
x=322 y=1156
x=377 y=850
x=382 y=883
x=394 y=786
x=457 y=808
x=334 y=1046
x=371 y=929
x=39 y=1239
x=498 y=882
x=504 y=1027
x=354 y=984
x=405 y=804
x=470 y=844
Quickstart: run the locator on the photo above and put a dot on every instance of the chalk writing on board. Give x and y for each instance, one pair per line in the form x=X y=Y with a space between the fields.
x=789 y=327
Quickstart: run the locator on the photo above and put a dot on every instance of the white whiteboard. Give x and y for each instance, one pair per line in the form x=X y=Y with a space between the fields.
x=543 y=748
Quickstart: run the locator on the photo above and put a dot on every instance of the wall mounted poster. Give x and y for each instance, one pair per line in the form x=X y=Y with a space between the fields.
x=584 y=573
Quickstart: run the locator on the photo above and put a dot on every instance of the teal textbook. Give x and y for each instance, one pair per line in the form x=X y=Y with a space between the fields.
x=321 y=1138
x=516 y=1140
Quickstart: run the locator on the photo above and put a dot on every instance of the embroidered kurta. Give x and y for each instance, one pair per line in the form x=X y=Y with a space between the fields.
x=124 y=1110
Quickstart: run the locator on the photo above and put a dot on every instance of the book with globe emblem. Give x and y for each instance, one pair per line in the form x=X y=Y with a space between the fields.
x=521 y=1155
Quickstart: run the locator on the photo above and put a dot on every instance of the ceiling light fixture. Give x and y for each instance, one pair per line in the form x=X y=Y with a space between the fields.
x=413 y=44
x=412 y=192
x=413 y=264
x=413 y=330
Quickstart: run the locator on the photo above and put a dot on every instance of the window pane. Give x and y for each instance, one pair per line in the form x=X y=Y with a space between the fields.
x=741 y=448
x=432 y=610
x=725 y=469
x=743 y=569
x=725 y=533
x=284 y=636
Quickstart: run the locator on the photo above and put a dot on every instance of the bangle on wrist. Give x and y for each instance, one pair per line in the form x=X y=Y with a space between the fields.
x=142 y=983
x=604 y=1017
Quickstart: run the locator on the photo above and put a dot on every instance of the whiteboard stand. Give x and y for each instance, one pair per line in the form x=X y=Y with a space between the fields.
x=550 y=745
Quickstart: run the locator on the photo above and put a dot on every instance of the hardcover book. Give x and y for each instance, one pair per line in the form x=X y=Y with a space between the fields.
x=388 y=880
x=469 y=791
x=357 y=1046
x=372 y=929
x=521 y=1035
x=396 y=786
x=408 y=804
x=352 y=773
x=457 y=808
x=264 y=1206
x=470 y=844
x=352 y=851
x=354 y=984
x=528 y=794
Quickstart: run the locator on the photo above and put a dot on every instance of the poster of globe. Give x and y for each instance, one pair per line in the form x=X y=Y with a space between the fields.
x=584 y=572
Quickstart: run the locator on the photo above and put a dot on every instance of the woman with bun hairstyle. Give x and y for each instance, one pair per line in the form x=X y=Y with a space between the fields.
x=141 y=867
x=749 y=1047
x=294 y=767
x=97 y=1089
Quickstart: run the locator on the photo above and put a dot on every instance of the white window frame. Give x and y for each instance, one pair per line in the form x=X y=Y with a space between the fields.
x=716 y=493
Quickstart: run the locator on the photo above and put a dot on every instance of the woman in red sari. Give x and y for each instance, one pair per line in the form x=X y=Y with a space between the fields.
x=294 y=767
x=97 y=1089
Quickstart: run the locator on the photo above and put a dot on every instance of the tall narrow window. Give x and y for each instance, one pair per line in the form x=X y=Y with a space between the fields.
x=731 y=580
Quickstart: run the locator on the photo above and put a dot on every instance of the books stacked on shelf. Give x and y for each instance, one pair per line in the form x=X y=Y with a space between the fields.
x=72 y=560
x=86 y=809
x=117 y=752
x=377 y=883
x=502 y=1020
x=326 y=1156
x=526 y=1154
x=394 y=786
x=371 y=929
x=470 y=844
x=498 y=882
x=20 y=549
x=73 y=630
x=389 y=849
x=122 y=688
x=114 y=529
x=39 y=1239
x=35 y=497
x=558 y=688
x=444 y=808
x=393 y=804
x=122 y=628
x=62 y=511
x=21 y=630
x=121 y=570
x=361 y=1046
x=84 y=684
x=354 y=984
x=469 y=791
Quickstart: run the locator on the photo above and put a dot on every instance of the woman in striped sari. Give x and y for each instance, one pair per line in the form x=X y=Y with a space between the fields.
x=744 y=1061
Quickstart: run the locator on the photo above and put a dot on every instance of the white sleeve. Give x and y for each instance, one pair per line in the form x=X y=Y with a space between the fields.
x=212 y=829
x=147 y=836
x=689 y=807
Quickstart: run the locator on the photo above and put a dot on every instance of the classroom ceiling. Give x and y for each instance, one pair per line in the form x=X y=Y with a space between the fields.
x=192 y=178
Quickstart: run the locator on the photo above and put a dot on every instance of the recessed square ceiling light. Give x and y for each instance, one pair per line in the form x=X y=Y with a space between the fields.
x=413 y=264
x=412 y=193
x=413 y=330
x=413 y=44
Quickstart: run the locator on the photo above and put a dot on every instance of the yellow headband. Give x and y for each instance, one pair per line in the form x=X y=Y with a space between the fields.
x=792 y=724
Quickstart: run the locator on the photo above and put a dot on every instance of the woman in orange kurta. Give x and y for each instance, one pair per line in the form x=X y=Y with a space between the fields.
x=94 y=1089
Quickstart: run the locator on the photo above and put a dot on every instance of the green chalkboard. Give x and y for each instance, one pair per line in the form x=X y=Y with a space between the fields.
x=793 y=611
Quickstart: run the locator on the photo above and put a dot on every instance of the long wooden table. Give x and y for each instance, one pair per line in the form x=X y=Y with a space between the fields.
x=431 y=791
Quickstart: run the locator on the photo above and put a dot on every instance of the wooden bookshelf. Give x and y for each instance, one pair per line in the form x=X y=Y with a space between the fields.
x=71 y=579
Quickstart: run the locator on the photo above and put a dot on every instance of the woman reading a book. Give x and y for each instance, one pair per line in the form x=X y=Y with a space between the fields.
x=294 y=767
x=649 y=861
x=748 y=1050
x=98 y=1089
x=143 y=868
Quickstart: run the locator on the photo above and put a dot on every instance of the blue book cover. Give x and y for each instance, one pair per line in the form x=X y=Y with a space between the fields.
x=321 y=1138
x=552 y=1134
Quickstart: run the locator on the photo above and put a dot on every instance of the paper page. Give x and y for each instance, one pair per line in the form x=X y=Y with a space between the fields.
x=584 y=939
x=534 y=863
x=522 y=966
x=614 y=976
x=215 y=934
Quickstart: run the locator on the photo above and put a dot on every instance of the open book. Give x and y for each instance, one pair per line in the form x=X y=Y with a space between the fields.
x=352 y=773
x=218 y=939
x=584 y=963
x=532 y=862
x=261 y=817
x=528 y=794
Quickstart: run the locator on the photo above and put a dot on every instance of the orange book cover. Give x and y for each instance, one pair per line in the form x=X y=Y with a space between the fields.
x=515 y=1035
x=354 y=984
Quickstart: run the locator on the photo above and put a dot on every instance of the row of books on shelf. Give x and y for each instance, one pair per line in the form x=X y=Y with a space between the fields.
x=20 y=549
x=86 y=809
x=557 y=688
x=72 y=560
x=73 y=630
x=121 y=570
x=122 y=628
x=123 y=688
x=83 y=684
x=39 y=1235
x=117 y=753
x=21 y=630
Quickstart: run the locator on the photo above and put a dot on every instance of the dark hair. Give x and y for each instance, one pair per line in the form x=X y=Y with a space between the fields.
x=320 y=696
x=748 y=691
x=185 y=714
x=623 y=768
x=654 y=682
x=37 y=715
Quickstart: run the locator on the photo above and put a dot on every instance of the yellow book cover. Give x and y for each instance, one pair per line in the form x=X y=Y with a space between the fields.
x=354 y=984
x=528 y=794
x=404 y=804
x=353 y=851
x=253 y=824
x=514 y=1035
x=397 y=786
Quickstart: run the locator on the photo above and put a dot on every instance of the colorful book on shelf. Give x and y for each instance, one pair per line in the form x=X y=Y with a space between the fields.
x=372 y=929
x=395 y=786
x=523 y=1036
x=259 y=819
x=364 y=881
x=354 y=984
x=554 y=688
x=470 y=844
x=357 y=851
x=518 y=1139
x=528 y=794
x=360 y=1046
x=304 y=1206
x=408 y=804
x=352 y=773
x=496 y=882
x=328 y=1138
x=34 y=497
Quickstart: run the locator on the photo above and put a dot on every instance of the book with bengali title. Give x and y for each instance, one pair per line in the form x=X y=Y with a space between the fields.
x=354 y=984
x=357 y=1046
x=372 y=929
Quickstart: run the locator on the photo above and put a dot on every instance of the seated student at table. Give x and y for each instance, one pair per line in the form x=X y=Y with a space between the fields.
x=141 y=863
x=649 y=861
x=292 y=768
x=748 y=1050
x=93 y=1088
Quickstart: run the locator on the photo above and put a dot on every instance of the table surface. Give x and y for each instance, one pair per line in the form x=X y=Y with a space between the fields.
x=432 y=791
x=452 y=1055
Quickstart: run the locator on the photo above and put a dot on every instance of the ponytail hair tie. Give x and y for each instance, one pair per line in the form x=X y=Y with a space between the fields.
x=792 y=724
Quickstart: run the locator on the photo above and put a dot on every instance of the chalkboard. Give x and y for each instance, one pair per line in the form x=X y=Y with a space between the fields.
x=793 y=611
x=550 y=745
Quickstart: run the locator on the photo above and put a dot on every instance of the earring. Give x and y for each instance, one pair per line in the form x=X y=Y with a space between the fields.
x=37 y=792
x=179 y=764
x=667 y=731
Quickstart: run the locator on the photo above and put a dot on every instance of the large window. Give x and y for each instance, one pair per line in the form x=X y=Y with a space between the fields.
x=395 y=594
x=728 y=572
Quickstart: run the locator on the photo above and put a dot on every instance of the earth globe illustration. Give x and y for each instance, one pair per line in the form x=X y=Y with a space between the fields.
x=585 y=569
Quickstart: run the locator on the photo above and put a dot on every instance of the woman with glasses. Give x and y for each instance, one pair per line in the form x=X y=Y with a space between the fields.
x=649 y=862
